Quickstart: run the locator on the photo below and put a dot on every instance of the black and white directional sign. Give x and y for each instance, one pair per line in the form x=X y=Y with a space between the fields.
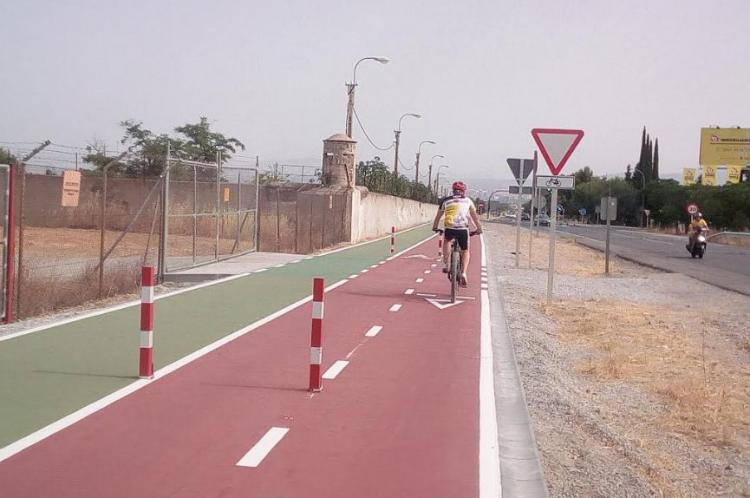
x=521 y=168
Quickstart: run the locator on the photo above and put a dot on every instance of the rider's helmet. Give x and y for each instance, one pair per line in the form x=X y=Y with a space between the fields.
x=698 y=216
x=459 y=188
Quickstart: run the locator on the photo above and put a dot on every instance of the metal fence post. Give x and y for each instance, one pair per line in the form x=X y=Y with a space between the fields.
x=218 y=203
x=163 y=239
x=11 y=244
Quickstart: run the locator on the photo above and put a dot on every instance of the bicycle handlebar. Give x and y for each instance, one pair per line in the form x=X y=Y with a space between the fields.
x=441 y=232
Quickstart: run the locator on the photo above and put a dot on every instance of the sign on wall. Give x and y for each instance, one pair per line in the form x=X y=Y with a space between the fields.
x=71 y=188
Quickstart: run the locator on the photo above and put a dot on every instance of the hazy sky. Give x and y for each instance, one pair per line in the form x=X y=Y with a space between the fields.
x=483 y=74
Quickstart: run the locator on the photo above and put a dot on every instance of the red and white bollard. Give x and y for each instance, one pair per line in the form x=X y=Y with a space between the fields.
x=148 y=280
x=393 y=240
x=316 y=339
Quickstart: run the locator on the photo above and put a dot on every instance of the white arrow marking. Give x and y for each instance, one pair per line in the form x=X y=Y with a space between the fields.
x=438 y=303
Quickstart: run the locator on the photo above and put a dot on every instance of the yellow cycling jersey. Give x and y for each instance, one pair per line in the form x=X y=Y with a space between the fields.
x=457 y=211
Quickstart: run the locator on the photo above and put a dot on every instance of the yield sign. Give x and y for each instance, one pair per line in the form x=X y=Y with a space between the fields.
x=441 y=304
x=519 y=173
x=556 y=146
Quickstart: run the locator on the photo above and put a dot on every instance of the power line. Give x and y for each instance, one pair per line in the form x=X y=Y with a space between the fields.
x=361 y=127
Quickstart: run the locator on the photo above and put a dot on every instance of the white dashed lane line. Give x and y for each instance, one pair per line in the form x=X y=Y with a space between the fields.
x=420 y=280
x=395 y=307
x=373 y=331
x=335 y=369
x=409 y=292
x=262 y=448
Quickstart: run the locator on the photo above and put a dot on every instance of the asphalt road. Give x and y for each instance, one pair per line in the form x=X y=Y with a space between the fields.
x=725 y=266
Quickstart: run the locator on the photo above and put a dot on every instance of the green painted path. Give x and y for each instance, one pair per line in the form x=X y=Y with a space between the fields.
x=49 y=374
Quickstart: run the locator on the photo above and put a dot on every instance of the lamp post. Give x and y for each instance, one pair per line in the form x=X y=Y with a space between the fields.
x=429 y=178
x=350 y=91
x=419 y=151
x=437 y=177
x=643 y=193
x=398 y=135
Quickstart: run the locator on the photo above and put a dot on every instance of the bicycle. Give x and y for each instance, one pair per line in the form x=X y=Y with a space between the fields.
x=456 y=262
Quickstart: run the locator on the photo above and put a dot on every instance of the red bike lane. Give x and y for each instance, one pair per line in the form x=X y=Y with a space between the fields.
x=401 y=419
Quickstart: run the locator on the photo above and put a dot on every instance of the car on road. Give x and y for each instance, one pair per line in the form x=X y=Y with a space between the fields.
x=543 y=220
x=525 y=217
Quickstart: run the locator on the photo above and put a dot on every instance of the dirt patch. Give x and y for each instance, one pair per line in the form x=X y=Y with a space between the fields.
x=637 y=384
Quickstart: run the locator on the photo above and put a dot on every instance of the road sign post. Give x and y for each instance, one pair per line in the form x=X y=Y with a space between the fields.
x=531 y=214
x=521 y=169
x=556 y=146
x=608 y=212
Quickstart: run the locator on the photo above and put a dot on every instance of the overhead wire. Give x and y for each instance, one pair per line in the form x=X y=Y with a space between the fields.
x=364 y=132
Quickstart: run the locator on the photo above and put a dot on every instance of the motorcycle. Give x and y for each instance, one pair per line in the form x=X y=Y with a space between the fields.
x=700 y=244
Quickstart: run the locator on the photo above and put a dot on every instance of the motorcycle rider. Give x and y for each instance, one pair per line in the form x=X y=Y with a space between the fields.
x=696 y=225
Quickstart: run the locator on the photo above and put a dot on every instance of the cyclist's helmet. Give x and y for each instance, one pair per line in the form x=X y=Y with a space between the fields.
x=698 y=216
x=459 y=188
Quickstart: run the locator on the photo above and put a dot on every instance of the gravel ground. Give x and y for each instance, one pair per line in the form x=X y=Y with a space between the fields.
x=611 y=412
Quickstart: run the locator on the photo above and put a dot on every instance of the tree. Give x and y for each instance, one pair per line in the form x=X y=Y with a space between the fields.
x=655 y=165
x=149 y=150
x=6 y=157
x=583 y=175
x=202 y=144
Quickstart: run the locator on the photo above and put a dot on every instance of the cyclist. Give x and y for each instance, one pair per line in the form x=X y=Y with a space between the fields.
x=457 y=209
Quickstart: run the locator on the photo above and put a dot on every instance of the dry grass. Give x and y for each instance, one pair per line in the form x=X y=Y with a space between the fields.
x=672 y=354
x=44 y=294
x=570 y=258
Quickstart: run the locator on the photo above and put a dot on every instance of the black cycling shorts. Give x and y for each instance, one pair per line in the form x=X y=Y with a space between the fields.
x=461 y=235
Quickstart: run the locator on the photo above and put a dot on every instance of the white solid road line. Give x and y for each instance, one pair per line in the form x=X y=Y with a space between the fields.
x=374 y=330
x=427 y=295
x=335 y=369
x=409 y=292
x=420 y=280
x=489 y=456
x=262 y=448
x=395 y=307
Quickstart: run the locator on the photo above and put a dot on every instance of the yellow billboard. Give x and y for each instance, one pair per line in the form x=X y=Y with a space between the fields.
x=709 y=175
x=723 y=146
x=733 y=174
x=688 y=176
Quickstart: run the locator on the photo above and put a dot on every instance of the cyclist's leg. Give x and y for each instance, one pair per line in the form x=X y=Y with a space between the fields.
x=463 y=242
x=448 y=237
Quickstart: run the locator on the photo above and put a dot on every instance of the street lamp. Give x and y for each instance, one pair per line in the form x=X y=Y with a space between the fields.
x=419 y=151
x=350 y=91
x=437 y=176
x=398 y=134
x=643 y=193
x=429 y=178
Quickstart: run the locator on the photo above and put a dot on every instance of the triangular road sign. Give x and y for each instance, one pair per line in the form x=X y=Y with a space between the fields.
x=556 y=146
x=520 y=174
x=441 y=304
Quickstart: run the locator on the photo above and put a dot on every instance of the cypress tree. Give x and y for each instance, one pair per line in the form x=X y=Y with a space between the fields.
x=655 y=167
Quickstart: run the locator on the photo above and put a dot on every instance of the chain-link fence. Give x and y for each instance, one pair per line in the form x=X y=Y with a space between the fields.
x=73 y=251
x=211 y=213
